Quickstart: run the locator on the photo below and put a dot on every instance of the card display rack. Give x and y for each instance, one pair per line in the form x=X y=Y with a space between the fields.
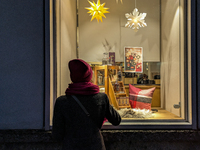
x=118 y=98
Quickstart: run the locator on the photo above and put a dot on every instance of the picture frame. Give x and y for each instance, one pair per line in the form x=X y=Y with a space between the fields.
x=133 y=59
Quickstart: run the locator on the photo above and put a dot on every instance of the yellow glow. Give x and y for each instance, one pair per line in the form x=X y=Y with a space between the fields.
x=135 y=20
x=97 y=10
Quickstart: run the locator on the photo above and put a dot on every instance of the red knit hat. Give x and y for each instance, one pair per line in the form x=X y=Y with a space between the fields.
x=80 y=71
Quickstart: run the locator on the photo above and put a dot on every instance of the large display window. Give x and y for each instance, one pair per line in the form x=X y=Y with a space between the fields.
x=140 y=53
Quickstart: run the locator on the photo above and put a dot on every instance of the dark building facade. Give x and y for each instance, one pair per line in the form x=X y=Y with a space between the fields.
x=25 y=86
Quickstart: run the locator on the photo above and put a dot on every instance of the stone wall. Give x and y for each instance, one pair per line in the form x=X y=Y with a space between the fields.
x=114 y=140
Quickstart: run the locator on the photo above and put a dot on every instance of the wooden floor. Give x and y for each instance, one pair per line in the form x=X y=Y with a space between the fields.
x=162 y=114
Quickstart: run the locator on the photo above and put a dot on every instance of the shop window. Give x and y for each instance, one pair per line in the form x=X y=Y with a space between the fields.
x=143 y=70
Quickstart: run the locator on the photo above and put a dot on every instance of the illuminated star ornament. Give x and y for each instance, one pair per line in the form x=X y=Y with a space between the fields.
x=135 y=20
x=97 y=10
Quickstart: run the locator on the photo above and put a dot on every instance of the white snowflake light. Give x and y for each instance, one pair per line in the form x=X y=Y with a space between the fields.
x=135 y=20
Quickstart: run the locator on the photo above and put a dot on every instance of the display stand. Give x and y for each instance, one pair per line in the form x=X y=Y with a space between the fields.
x=119 y=99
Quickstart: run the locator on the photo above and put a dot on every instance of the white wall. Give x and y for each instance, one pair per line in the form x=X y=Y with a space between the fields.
x=65 y=11
x=92 y=35
x=171 y=55
x=66 y=41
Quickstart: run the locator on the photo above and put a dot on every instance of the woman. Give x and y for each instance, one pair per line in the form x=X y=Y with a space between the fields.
x=71 y=124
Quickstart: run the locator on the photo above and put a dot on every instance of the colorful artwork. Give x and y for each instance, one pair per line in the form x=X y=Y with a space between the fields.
x=133 y=57
x=112 y=58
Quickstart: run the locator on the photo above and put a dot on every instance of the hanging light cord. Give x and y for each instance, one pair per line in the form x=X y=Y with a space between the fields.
x=135 y=4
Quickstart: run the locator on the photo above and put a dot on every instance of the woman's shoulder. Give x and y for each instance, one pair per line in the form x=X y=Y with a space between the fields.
x=61 y=98
x=101 y=95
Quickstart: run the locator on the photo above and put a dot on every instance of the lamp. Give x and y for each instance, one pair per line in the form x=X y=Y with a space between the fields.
x=135 y=20
x=97 y=10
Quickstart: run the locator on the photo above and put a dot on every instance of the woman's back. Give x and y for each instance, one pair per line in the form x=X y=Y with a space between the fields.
x=79 y=128
x=71 y=125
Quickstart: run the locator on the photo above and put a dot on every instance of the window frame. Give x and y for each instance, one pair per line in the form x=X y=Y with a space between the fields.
x=146 y=124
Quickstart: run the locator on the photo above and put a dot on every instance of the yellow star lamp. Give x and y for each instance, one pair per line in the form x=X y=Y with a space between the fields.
x=97 y=10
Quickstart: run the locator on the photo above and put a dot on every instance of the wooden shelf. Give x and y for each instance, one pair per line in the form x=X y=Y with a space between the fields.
x=123 y=106
x=109 y=89
x=121 y=94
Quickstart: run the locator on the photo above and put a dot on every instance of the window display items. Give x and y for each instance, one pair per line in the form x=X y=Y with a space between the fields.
x=100 y=78
x=97 y=10
x=123 y=101
x=102 y=90
x=135 y=20
x=116 y=87
x=122 y=90
x=112 y=58
x=140 y=99
x=143 y=79
x=119 y=75
x=135 y=113
x=133 y=59
x=105 y=60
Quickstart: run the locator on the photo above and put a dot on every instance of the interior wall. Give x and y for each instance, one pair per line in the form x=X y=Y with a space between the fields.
x=52 y=85
x=183 y=81
x=171 y=51
x=189 y=46
x=93 y=35
x=66 y=41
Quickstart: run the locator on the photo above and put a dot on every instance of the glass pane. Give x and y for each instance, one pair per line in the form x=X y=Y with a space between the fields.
x=149 y=51
x=162 y=43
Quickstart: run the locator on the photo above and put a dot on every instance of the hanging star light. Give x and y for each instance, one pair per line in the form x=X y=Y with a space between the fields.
x=97 y=10
x=135 y=20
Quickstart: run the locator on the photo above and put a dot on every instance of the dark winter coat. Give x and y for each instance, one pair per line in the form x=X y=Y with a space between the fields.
x=75 y=129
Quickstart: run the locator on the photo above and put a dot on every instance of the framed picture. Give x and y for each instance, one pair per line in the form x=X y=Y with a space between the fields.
x=133 y=59
x=112 y=58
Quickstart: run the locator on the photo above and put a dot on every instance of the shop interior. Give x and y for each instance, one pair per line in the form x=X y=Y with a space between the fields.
x=140 y=65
